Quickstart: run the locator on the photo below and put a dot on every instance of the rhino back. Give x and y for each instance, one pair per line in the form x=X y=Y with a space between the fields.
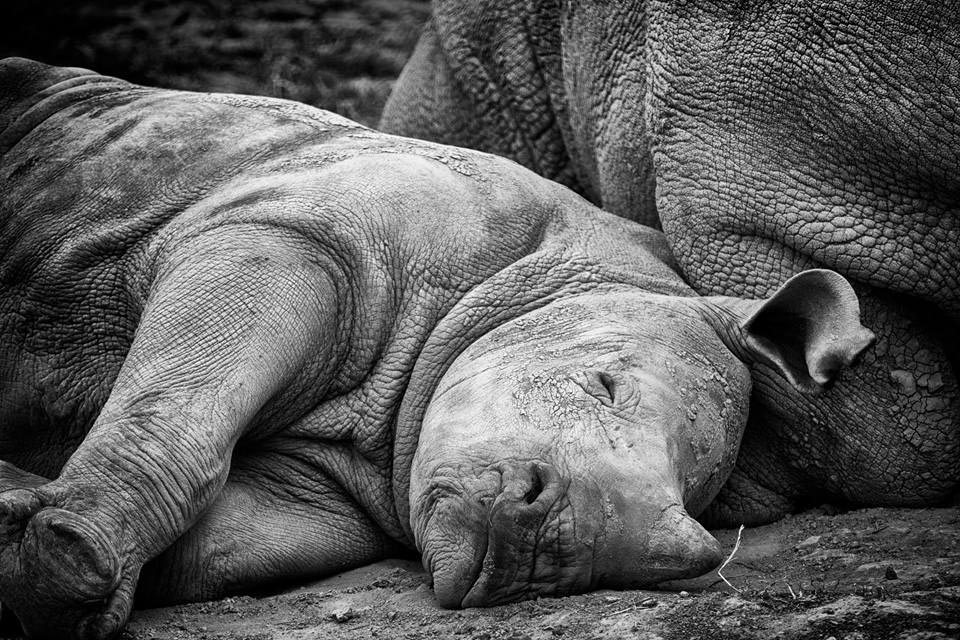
x=101 y=176
x=810 y=134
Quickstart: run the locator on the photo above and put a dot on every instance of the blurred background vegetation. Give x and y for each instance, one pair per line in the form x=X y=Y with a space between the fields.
x=341 y=55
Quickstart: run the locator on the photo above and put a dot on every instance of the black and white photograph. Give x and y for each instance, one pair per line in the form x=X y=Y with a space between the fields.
x=480 y=319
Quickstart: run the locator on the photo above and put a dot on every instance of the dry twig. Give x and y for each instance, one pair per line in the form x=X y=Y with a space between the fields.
x=736 y=546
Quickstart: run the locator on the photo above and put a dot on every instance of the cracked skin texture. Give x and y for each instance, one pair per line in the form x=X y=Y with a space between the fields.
x=765 y=139
x=238 y=332
x=250 y=214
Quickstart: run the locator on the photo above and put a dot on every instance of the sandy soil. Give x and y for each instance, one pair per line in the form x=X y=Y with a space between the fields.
x=879 y=573
x=868 y=574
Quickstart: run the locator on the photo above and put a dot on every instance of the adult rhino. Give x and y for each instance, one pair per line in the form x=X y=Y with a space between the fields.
x=251 y=341
x=766 y=138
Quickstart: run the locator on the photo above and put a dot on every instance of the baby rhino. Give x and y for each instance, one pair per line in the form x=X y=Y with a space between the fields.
x=244 y=341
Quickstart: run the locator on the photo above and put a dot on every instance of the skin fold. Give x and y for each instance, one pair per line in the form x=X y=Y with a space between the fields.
x=765 y=139
x=244 y=341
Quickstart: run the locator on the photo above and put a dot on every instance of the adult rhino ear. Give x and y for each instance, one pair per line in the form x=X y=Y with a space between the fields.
x=809 y=330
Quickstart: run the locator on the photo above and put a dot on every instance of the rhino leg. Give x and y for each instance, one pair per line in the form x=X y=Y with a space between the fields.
x=276 y=520
x=231 y=321
x=13 y=478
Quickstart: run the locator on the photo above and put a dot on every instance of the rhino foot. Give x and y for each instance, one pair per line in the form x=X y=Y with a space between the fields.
x=59 y=573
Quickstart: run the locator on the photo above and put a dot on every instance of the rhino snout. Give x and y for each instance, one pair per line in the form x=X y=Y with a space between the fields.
x=489 y=548
x=535 y=531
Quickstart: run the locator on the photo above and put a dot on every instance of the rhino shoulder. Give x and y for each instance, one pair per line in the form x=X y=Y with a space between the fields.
x=30 y=91
x=23 y=77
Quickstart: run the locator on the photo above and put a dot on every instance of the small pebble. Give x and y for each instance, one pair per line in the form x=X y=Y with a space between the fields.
x=611 y=599
x=342 y=615
x=649 y=602
x=684 y=594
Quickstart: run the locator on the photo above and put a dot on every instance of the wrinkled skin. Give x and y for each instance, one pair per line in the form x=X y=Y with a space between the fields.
x=765 y=138
x=245 y=341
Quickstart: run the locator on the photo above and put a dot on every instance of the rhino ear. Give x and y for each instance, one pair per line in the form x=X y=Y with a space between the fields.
x=809 y=330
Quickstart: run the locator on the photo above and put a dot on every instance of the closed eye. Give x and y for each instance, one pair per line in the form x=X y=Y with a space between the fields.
x=608 y=384
x=601 y=385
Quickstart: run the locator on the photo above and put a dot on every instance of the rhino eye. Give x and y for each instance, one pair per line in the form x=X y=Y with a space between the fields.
x=608 y=384
x=601 y=385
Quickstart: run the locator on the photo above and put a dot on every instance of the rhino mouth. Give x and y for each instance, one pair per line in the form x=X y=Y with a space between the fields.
x=519 y=544
x=455 y=577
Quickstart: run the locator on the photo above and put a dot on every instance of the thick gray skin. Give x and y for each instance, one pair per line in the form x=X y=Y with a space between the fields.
x=251 y=341
x=766 y=140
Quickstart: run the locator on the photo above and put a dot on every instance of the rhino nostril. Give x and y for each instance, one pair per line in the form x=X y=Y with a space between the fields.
x=536 y=488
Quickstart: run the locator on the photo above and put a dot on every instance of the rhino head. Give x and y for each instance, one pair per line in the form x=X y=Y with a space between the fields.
x=568 y=449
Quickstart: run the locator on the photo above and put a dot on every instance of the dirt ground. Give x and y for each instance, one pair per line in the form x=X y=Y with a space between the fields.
x=878 y=573
x=868 y=574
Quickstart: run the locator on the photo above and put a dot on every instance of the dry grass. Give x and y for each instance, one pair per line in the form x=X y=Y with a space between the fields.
x=341 y=55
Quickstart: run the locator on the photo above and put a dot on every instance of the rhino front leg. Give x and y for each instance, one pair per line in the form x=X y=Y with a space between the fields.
x=13 y=477
x=232 y=320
